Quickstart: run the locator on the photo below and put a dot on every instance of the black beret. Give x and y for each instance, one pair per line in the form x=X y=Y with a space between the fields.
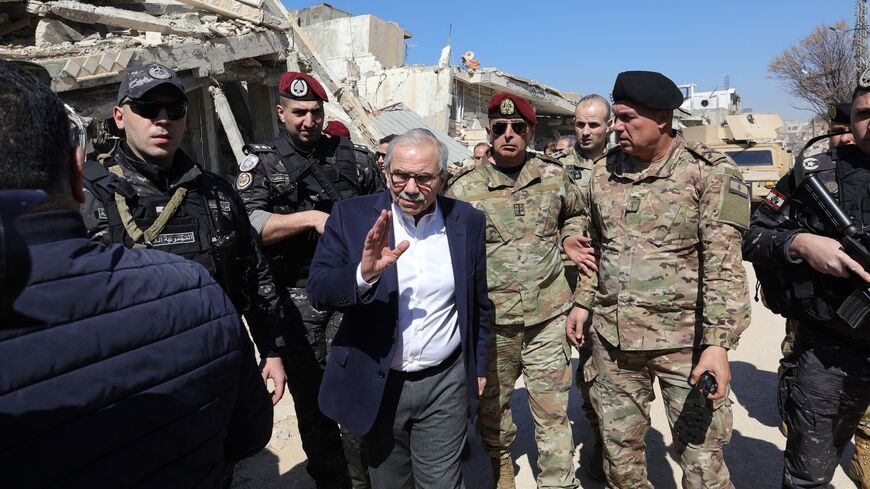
x=647 y=88
x=841 y=113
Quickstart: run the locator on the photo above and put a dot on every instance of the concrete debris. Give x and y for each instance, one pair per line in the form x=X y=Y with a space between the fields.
x=88 y=14
x=153 y=39
x=238 y=10
x=53 y=31
x=231 y=129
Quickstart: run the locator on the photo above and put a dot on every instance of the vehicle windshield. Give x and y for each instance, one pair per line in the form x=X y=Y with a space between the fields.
x=762 y=157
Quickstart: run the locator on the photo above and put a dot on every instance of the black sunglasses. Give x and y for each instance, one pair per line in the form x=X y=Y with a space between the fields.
x=519 y=127
x=151 y=110
x=379 y=155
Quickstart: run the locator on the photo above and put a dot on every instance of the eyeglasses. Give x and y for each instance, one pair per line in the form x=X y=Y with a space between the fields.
x=399 y=179
x=151 y=110
x=379 y=155
x=519 y=127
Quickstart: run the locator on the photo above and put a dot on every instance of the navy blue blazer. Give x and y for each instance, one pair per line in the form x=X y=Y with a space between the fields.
x=362 y=350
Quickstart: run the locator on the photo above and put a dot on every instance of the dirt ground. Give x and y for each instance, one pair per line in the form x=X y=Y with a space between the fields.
x=754 y=455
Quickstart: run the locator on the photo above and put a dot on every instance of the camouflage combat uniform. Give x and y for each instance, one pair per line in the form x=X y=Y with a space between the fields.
x=526 y=221
x=655 y=307
x=579 y=168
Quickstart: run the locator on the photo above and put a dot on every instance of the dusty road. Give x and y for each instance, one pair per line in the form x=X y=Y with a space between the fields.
x=754 y=455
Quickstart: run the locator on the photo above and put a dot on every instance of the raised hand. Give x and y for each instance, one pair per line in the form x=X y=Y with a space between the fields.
x=377 y=255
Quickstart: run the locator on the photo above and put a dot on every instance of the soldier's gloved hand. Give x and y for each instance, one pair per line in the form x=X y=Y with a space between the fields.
x=826 y=255
x=574 y=325
x=273 y=368
x=714 y=359
x=579 y=249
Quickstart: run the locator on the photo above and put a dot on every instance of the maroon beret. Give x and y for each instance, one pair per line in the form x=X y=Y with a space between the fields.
x=299 y=86
x=336 y=128
x=509 y=106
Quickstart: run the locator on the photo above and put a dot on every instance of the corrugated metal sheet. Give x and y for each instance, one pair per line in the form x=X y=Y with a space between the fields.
x=399 y=120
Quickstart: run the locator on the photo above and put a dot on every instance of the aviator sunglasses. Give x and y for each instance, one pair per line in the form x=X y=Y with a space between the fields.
x=519 y=127
x=150 y=109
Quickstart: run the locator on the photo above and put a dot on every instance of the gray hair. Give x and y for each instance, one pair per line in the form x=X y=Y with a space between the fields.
x=417 y=137
x=594 y=97
x=572 y=140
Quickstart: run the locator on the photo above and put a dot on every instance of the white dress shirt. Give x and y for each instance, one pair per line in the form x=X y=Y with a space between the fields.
x=427 y=302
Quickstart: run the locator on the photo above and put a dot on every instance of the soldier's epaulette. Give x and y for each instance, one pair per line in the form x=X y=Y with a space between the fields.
x=706 y=153
x=361 y=148
x=257 y=148
x=462 y=172
x=548 y=159
x=562 y=153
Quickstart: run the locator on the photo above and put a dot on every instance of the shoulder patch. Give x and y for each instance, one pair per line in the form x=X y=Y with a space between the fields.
x=249 y=163
x=818 y=163
x=775 y=199
x=257 y=148
x=244 y=180
x=706 y=153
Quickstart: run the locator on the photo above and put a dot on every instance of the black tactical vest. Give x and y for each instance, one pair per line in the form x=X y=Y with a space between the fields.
x=799 y=292
x=201 y=229
x=302 y=183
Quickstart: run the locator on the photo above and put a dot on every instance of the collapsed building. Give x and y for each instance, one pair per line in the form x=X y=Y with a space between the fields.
x=230 y=55
x=368 y=55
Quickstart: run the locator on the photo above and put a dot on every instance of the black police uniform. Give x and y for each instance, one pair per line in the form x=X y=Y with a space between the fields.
x=825 y=388
x=284 y=180
x=209 y=226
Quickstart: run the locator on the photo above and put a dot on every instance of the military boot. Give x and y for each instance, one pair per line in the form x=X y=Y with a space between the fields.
x=503 y=472
x=859 y=468
x=596 y=462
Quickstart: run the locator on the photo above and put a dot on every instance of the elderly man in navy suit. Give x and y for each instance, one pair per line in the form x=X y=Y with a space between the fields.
x=408 y=269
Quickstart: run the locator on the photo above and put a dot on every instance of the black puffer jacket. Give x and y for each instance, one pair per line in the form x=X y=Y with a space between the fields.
x=125 y=368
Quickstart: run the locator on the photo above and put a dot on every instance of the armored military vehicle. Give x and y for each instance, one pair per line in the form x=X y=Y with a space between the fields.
x=751 y=141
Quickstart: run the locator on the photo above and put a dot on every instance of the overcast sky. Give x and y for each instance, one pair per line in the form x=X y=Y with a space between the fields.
x=581 y=45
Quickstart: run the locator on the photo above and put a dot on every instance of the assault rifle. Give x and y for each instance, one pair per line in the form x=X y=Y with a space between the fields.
x=856 y=307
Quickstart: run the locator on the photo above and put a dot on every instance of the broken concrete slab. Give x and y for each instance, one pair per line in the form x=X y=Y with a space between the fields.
x=238 y=10
x=53 y=31
x=89 y=14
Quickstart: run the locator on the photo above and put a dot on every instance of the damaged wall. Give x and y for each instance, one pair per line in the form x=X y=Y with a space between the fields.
x=229 y=55
x=357 y=45
x=426 y=91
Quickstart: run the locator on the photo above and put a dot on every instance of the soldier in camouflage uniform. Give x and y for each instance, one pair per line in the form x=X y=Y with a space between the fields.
x=531 y=206
x=592 y=125
x=658 y=208
x=289 y=186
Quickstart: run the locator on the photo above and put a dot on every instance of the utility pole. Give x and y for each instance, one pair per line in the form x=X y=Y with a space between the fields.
x=859 y=39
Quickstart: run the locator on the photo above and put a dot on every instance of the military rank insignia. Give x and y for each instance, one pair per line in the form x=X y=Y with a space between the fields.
x=633 y=204
x=507 y=107
x=775 y=199
x=519 y=210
